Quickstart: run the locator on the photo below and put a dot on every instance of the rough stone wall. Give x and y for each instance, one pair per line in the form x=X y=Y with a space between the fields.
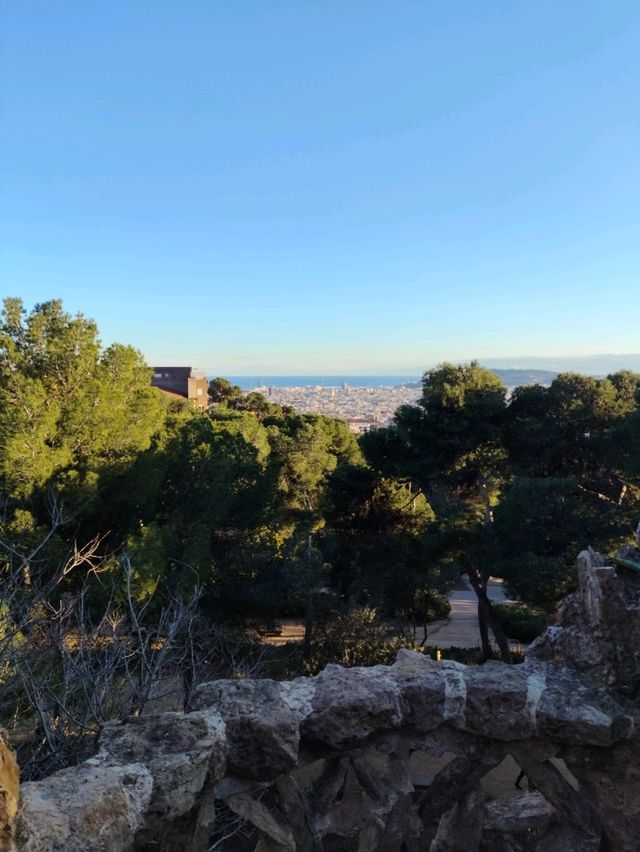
x=382 y=758
x=598 y=627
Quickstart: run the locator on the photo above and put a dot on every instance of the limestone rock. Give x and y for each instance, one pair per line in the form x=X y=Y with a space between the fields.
x=573 y=709
x=273 y=832
x=263 y=728
x=610 y=778
x=564 y=837
x=349 y=705
x=178 y=750
x=85 y=807
x=461 y=828
x=571 y=806
x=597 y=629
x=427 y=693
x=9 y=791
x=518 y=823
x=496 y=702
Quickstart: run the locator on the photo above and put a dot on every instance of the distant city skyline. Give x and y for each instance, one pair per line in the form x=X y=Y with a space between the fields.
x=326 y=187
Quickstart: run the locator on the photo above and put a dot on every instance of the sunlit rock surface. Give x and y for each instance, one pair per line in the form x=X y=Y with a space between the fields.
x=9 y=791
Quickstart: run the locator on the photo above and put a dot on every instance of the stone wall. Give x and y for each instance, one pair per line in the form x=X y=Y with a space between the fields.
x=383 y=758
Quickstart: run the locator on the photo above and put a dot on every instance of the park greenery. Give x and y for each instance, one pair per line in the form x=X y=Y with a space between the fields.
x=141 y=539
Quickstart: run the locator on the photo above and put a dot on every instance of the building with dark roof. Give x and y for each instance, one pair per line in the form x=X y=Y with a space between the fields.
x=185 y=382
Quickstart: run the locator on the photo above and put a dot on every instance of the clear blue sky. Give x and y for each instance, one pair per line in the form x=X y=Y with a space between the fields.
x=326 y=186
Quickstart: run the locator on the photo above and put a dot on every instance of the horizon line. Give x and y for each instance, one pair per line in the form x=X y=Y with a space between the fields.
x=411 y=371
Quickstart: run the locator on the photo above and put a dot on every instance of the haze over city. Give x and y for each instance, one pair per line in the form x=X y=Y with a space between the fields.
x=328 y=188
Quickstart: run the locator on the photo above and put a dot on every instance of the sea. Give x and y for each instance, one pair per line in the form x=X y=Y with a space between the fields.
x=249 y=382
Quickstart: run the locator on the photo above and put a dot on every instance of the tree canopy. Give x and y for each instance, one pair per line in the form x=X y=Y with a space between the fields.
x=267 y=507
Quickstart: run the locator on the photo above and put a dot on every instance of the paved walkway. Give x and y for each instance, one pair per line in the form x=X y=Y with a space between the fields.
x=461 y=629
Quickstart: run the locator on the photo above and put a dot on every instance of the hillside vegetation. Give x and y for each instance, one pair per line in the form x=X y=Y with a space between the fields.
x=143 y=541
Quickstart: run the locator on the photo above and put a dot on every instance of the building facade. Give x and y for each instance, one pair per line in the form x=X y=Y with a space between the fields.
x=185 y=382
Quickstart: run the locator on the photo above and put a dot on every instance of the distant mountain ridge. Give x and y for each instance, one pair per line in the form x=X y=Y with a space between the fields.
x=514 y=378
x=523 y=370
x=590 y=365
x=517 y=378
x=593 y=365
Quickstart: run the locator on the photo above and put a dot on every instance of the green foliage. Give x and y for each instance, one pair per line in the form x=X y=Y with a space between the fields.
x=624 y=447
x=355 y=638
x=235 y=498
x=464 y=408
x=307 y=449
x=65 y=406
x=222 y=391
x=518 y=489
x=449 y=447
x=375 y=544
x=435 y=607
x=12 y=641
x=542 y=570
x=541 y=581
x=268 y=513
x=540 y=524
x=265 y=506
x=225 y=395
x=451 y=438
x=520 y=622
x=566 y=429
x=69 y=413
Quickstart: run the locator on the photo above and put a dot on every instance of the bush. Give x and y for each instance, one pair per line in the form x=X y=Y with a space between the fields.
x=541 y=581
x=438 y=608
x=64 y=673
x=521 y=622
x=355 y=638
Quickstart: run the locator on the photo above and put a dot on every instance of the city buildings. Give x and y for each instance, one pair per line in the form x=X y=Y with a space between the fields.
x=362 y=408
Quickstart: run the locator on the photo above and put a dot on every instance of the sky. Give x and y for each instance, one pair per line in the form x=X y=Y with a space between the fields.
x=327 y=186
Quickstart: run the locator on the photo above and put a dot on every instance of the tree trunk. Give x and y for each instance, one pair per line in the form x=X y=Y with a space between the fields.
x=308 y=626
x=486 y=614
x=498 y=632
x=309 y=614
x=487 y=651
